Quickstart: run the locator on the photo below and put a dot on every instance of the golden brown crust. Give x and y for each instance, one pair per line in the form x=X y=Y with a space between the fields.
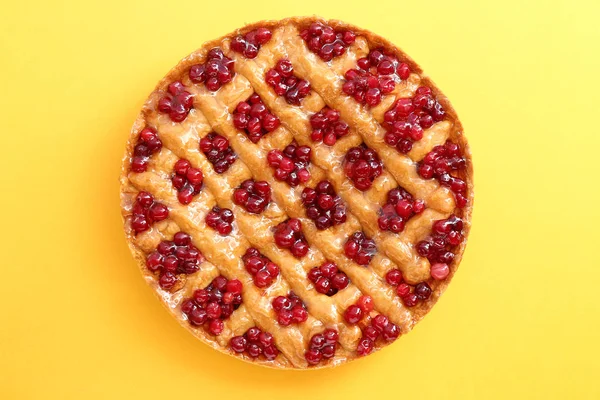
x=197 y=56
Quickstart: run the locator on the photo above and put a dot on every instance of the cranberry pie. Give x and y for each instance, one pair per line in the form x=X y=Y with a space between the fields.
x=298 y=193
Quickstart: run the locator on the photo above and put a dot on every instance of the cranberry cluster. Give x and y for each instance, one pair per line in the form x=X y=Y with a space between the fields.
x=328 y=279
x=217 y=71
x=147 y=144
x=213 y=304
x=323 y=205
x=439 y=163
x=374 y=77
x=291 y=164
x=356 y=312
x=288 y=235
x=446 y=234
x=327 y=126
x=146 y=211
x=217 y=150
x=252 y=117
x=365 y=87
x=220 y=219
x=177 y=102
x=360 y=248
x=187 y=180
x=263 y=271
x=290 y=309
x=407 y=118
x=410 y=295
x=385 y=63
x=322 y=346
x=325 y=42
x=362 y=165
x=254 y=343
x=179 y=256
x=253 y=196
x=380 y=326
x=249 y=44
x=398 y=209
x=284 y=83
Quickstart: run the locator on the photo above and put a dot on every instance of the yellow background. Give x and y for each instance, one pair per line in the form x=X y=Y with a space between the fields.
x=520 y=320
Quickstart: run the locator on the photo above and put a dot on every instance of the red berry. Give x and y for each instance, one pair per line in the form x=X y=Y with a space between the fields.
x=215 y=327
x=238 y=344
x=365 y=346
x=439 y=271
x=167 y=280
x=410 y=300
x=365 y=303
x=353 y=314
x=394 y=277
x=313 y=357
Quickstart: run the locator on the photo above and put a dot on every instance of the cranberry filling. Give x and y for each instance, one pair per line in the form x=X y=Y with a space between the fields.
x=439 y=163
x=179 y=256
x=284 y=83
x=254 y=343
x=210 y=306
x=288 y=235
x=355 y=313
x=291 y=164
x=249 y=44
x=290 y=309
x=220 y=219
x=446 y=235
x=322 y=346
x=215 y=72
x=362 y=165
x=146 y=211
x=327 y=126
x=177 y=102
x=408 y=117
x=217 y=150
x=360 y=248
x=327 y=43
x=398 y=209
x=263 y=271
x=374 y=77
x=323 y=205
x=253 y=196
x=187 y=180
x=410 y=295
x=147 y=144
x=327 y=279
x=380 y=327
x=252 y=117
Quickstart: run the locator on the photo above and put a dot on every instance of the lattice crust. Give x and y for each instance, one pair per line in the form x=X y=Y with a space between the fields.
x=212 y=113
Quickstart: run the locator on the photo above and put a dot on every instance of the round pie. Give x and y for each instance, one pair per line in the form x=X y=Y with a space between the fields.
x=298 y=193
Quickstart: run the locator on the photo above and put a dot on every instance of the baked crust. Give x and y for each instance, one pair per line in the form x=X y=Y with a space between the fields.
x=171 y=301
